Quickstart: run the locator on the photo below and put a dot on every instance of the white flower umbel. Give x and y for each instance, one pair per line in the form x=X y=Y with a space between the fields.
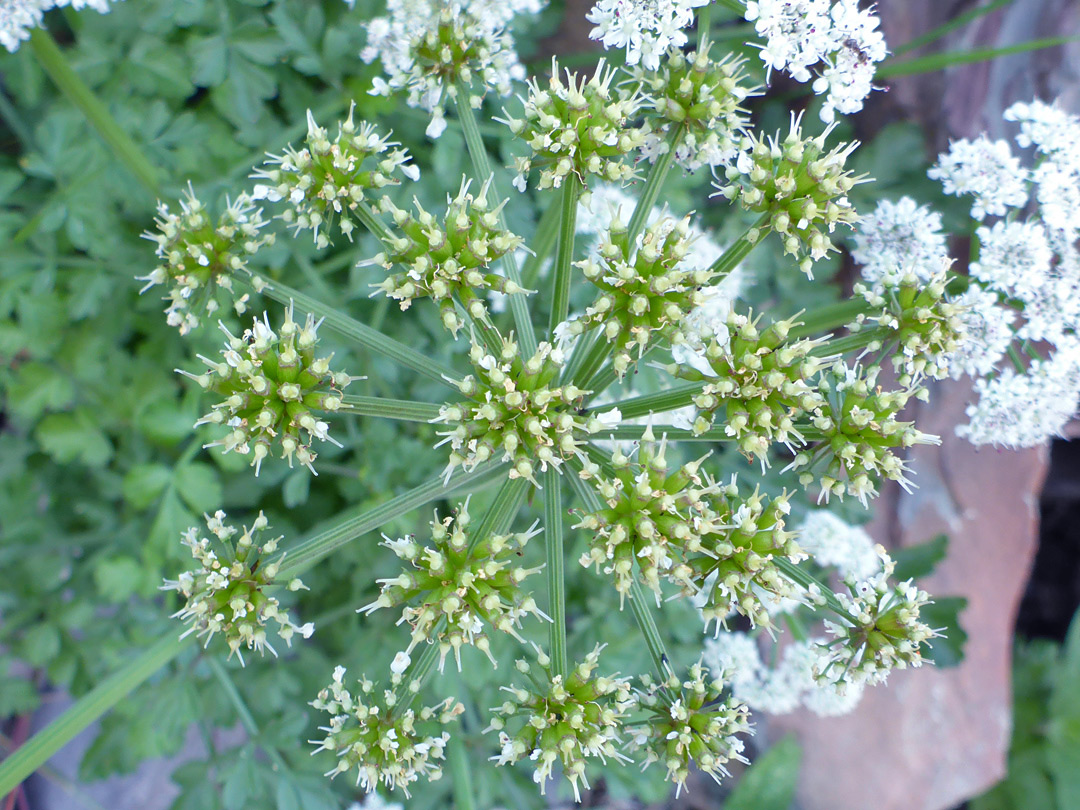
x=838 y=41
x=1025 y=409
x=426 y=47
x=986 y=170
x=17 y=17
x=366 y=732
x=645 y=28
x=902 y=235
x=1055 y=134
x=986 y=334
x=227 y=593
x=832 y=542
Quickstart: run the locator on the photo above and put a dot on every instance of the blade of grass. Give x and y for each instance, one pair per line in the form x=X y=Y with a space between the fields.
x=940 y=61
x=952 y=25
x=402 y=409
x=564 y=254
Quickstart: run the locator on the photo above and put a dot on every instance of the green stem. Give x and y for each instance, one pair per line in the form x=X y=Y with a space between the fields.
x=670 y=400
x=585 y=344
x=375 y=225
x=704 y=22
x=564 y=254
x=805 y=580
x=500 y=515
x=654 y=183
x=543 y=242
x=305 y=554
x=829 y=317
x=607 y=375
x=947 y=28
x=419 y=671
x=556 y=575
x=741 y=248
x=482 y=167
x=647 y=625
x=940 y=61
x=59 y=779
x=54 y=63
x=402 y=409
x=242 y=711
x=736 y=6
x=363 y=334
x=716 y=434
x=461 y=773
x=37 y=750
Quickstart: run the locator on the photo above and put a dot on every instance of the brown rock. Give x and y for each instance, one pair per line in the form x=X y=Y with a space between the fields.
x=931 y=738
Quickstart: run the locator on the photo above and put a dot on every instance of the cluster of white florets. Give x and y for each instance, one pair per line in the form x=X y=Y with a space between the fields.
x=645 y=28
x=327 y=180
x=199 y=256
x=18 y=17
x=427 y=47
x=227 y=593
x=367 y=731
x=902 y=235
x=838 y=41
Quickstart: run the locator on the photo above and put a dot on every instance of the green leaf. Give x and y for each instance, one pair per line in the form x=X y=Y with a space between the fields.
x=918 y=561
x=144 y=484
x=35 y=388
x=68 y=437
x=172 y=519
x=40 y=644
x=944 y=615
x=118 y=578
x=166 y=421
x=199 y=486
x=242 y=782
x=769 y=783
x=211 y=60
x=297 y=486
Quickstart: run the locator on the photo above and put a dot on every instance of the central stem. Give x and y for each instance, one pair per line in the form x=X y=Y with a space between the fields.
x=654 y=183
x=564 y=256
x=556 y=575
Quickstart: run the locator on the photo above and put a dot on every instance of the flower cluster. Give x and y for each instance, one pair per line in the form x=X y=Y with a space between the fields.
x=860 y=435
x=736 y=568
x=199 y=256
x=472 y=585
x=988 y=171
x=691 y=721
x=562 y=719
x=927 y=328
x=879 y=632
x=646 y=291
x=227 y=593
x=517 y=408
x=274 y=390
x=838 y=40
x=17 y=17
x=384 y=744
x=902 y=235
x=653 y=516
x=577 y=127
x=329 y=180
x=783 y=688
x=450 y=259
x=833 y=543
x=702 y=97
x=428 y=48
x=760 y=378
x=799 y=187
x=646 y=28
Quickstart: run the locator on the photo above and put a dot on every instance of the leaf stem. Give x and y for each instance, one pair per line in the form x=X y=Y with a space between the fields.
x=564 y=253
x=401 y=409
x=242 y=711
x=670 y=400
x=482 y=167
x=647 y=625
x=741 y=248
x=376 y=226
x=461 y=773
x=55 y=64
x=556 y=574
x=654 y=183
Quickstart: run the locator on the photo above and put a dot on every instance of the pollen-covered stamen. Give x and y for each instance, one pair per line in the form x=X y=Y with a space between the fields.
x=448 y=259
x=472 y=587
x=325 y=181
x=199 y=256
x=274 y=390
x=227 y=593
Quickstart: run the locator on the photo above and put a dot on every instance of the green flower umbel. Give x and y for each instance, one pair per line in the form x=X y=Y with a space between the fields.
x=448 y=259
x=472 y=588
x=562 y=719
x=227 y=593
x=517 y=411
x=691 y=722
x=801 y=186
x=274 y=391
x=199 y=256
x=578 y=127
